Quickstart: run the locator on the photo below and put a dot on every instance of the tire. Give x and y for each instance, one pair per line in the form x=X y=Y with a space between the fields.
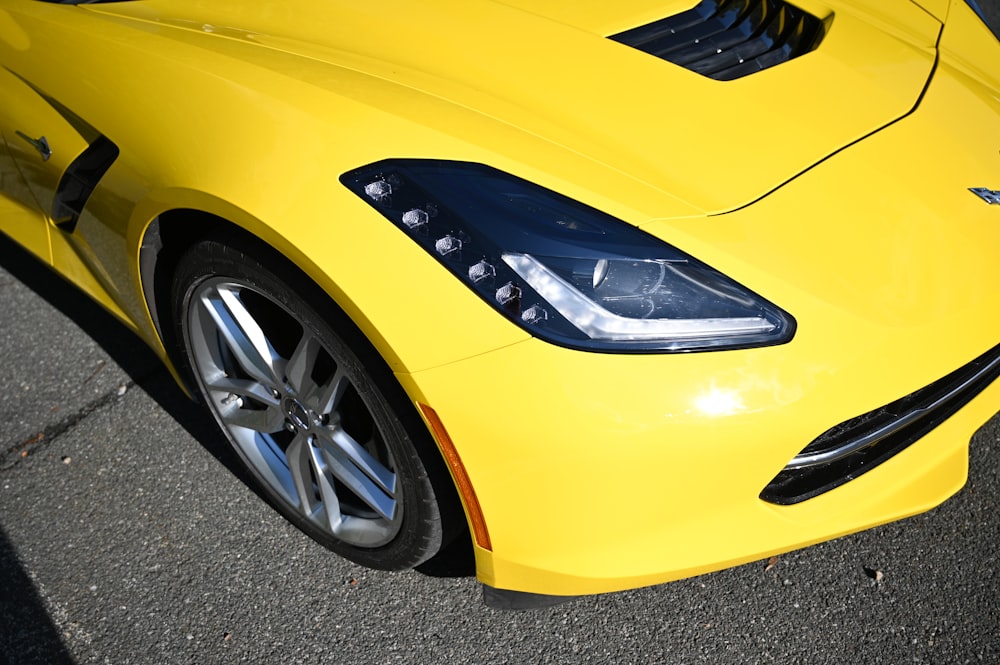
x=312 y=411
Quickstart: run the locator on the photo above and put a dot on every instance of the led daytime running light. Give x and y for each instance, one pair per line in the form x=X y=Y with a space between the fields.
x=565 y=272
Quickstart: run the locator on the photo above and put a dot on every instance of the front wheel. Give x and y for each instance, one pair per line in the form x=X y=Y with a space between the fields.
x=315 y=416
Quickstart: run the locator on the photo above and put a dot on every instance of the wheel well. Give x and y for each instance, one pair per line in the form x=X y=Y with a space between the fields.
x=167 y=239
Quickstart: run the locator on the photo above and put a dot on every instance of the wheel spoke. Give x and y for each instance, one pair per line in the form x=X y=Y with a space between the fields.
x=310 y=473
x=300 y=462
x=243 y=335
x=327 y=492
x=266 y=421
x=326 y=398
x=358 y=470
x=243 y=388
x=300 y=365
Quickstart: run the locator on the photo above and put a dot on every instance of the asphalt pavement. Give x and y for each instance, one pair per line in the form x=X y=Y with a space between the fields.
x=128 y=536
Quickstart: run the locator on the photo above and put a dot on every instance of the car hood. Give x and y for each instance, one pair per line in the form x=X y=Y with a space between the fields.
x=547 y=68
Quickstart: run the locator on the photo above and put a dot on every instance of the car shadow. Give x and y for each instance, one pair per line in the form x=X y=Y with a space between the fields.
x=123 y=346
x=27 y=634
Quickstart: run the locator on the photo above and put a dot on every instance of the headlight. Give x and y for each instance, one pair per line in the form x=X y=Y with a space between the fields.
x=563 y=271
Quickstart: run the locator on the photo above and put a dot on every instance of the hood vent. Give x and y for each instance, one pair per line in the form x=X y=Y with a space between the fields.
x=728 y=39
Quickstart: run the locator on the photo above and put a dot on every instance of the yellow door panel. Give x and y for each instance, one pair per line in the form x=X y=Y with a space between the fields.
x=42 y=142
x=20 y=217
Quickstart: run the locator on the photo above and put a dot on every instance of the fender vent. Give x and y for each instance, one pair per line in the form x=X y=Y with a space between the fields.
x=728 y=39
x=79 y=180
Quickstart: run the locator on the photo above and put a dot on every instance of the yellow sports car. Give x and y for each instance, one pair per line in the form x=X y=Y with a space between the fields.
x=617 y=292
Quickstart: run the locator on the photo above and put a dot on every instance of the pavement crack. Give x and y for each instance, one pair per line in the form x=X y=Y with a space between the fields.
x=45 y=437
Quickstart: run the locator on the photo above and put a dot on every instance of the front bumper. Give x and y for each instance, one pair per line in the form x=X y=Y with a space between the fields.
x=600 y=478
x=599 y=472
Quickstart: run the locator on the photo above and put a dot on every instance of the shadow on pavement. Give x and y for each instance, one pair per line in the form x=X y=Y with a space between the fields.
x=27 y=634
x=125 y=348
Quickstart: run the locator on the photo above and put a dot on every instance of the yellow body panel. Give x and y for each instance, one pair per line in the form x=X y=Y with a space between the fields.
x=659 y=125
x=648 y=463
x=835 y=185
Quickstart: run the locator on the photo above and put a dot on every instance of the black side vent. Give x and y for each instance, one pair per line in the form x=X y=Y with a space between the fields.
x=728 y=39
x=79 y=180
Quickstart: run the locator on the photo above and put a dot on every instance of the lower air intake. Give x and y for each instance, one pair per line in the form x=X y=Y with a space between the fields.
x=857 y=446
x=729 y=39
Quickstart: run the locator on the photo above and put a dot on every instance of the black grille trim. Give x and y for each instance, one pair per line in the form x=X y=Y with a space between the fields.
x=729 y=39
x=883 y=433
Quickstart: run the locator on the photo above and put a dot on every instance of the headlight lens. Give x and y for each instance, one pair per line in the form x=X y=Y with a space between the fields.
x=563 y=271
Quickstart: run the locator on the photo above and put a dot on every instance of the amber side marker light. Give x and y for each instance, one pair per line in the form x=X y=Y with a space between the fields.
x=465 y=488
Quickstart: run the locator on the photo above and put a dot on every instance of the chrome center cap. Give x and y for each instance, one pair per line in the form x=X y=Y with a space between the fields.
x=296 y=415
